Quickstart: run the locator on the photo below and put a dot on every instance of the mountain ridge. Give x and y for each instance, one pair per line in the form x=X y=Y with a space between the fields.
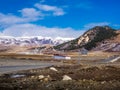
x=24 y=41
x=92 y=38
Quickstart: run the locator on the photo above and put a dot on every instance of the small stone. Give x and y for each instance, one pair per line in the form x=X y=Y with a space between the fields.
x=32 y=76
x=66 y=77
x=54 y=69
x=41 y=76
x=103 y=82
x=46 y=79
x=84 y=80
x=48 y=76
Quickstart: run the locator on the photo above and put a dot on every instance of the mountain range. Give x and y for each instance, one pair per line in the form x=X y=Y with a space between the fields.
x=31 y=41
x=99 y=38
x=23 y=44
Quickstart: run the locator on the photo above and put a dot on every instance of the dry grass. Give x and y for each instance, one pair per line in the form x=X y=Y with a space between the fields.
x=23 y=56
x=74 y=55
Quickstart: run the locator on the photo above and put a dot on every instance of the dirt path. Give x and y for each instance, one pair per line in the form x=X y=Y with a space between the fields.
x=11 y=65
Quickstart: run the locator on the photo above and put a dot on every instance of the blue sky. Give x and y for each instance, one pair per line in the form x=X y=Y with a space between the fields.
x=56 y=18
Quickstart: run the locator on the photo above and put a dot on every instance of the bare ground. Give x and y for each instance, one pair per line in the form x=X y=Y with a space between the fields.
x=87 y=74
x=84 y=77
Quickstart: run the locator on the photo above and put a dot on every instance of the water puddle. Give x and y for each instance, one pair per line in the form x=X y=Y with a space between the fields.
x=17 y=76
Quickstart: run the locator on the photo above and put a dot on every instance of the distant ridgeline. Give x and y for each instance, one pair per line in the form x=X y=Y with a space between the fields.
x=93 y=39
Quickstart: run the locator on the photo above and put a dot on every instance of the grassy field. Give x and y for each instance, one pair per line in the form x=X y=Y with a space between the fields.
x=73 y=55
x=25 y=56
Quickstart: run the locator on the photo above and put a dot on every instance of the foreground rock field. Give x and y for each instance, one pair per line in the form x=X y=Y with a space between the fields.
x=64 y=77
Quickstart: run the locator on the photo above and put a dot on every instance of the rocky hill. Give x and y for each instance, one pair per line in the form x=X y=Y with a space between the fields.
x=98 y=38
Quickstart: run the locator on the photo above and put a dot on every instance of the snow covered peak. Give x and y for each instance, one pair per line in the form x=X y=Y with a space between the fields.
x=33 y=40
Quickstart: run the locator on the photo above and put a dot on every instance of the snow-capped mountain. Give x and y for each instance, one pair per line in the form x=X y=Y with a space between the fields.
x=37 y=40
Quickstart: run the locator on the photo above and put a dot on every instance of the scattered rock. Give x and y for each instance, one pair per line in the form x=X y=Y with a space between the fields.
x=41 y=76
x=32 y=76
x=48 y=76
x=46 y=79
x=66 y=77
x=103 y=82
x=54 y=69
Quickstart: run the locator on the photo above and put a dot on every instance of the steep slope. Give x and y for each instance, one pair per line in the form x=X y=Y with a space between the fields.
x=112 y=44
x=90 y=39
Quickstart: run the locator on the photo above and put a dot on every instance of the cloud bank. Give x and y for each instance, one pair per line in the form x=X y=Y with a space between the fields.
x=20 y=30
x=22 y=25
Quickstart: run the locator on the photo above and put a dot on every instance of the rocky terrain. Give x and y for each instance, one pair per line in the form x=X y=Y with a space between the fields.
x=102 y=38
x=67 y=77
x=112 y=44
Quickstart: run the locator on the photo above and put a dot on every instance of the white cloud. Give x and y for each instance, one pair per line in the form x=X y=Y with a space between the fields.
x=31 y=13
x=10 y=19
x=20 y=26
x=91 y=25
x=28 y=29
x=13 y=25
x=56 y=10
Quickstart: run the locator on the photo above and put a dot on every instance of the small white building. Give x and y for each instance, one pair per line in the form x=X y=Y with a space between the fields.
x=57 y=56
